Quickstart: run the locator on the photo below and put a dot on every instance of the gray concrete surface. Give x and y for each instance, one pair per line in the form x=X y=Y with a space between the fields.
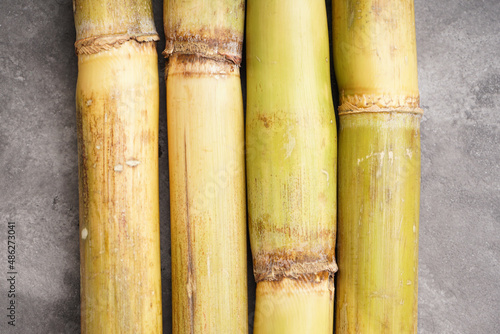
x=459 y=77
x=459 y=73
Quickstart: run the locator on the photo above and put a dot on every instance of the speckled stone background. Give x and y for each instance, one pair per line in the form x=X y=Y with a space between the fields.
x=459 y=72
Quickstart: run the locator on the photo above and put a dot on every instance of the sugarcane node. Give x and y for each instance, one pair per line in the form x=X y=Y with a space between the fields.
x=219 y=44
x=194 y=65
x=372 y=103
x=312 y=280
x=95 y=44
x=293 y=264
x=416 y=111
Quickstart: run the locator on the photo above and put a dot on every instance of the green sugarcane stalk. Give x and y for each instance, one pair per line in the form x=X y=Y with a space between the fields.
x=379 y=166
x=291 y=165
x=206 y=165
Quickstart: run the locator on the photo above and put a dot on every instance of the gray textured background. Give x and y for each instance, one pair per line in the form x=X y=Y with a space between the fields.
x=459 y=71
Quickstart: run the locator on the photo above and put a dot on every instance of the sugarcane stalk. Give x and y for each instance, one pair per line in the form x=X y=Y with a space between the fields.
x=379 y=166
x=117 y=102
x=206 y=165
x=291 y=165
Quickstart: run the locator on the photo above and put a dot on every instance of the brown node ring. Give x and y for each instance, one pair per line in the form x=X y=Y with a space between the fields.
x=222 y=53
x=97 y=44
x=358 y=104
x=293 y=270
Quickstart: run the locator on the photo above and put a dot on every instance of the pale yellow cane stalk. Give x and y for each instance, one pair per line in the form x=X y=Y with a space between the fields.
x=206 y=165
x=379 y=166
x=117 y=116
x=291 y=165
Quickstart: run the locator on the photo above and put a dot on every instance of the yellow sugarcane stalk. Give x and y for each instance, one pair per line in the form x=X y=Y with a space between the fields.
x=206 y=162
x=117 y=105
x=291 y=165
x=379 y=166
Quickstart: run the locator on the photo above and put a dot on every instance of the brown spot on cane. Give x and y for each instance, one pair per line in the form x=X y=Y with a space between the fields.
x=265 y=119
